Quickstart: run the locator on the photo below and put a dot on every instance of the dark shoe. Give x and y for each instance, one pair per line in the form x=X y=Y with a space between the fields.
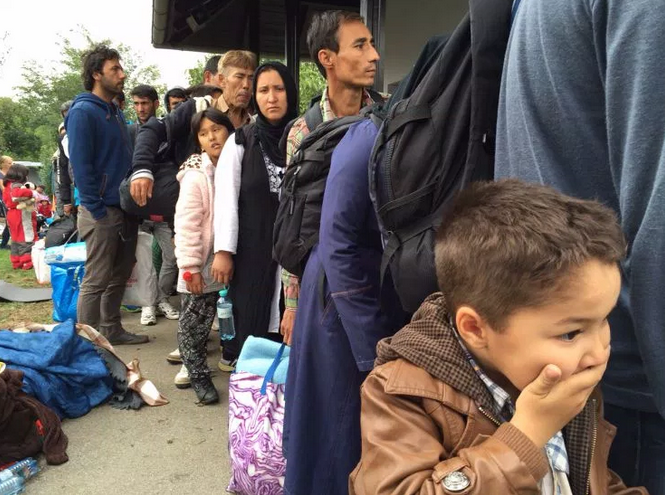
x=124 y=337
x=205 y=391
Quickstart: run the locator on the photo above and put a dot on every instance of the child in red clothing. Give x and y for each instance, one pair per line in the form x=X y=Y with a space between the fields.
x=21 y=216
x=44 y=208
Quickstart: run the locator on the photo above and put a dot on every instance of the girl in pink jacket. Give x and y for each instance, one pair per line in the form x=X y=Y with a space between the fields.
x=194 y=246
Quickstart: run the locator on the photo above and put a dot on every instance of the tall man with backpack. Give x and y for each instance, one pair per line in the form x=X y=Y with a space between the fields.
x=431 y=144
x=341 y=313
x=582 y=111
x=349 y=70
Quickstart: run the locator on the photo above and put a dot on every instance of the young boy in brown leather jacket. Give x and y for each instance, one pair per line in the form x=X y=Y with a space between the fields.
x=492 y=388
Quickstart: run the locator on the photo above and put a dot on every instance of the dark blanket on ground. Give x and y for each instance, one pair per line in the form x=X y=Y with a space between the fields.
x=27 y=427
x=62 y=370
x=123 y=397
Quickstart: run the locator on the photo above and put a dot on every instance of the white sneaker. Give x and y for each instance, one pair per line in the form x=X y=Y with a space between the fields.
x=148 y=316
x=181 y=379
x=164 y=308
x=174 y=357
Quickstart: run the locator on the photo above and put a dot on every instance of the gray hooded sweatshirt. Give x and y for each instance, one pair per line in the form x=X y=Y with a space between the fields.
x=583 y=109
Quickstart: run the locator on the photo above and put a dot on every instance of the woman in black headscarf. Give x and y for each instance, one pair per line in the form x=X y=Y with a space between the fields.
x=247 y=180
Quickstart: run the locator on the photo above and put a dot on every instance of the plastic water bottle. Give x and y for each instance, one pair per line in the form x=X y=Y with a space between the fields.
x=25 y=469
x=227 y=329
x=12 y=486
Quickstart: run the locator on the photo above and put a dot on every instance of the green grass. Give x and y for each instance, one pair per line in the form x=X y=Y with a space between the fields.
x=17 y=314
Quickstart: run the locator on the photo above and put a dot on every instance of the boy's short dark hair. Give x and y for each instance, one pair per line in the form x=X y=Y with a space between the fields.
x=211 y=64
x=145 y=91
x=93 y=61
x=323 y=31
x=175 y=92
x=508 y=245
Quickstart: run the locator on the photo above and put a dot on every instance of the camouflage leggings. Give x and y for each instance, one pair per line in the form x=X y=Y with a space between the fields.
x=196 y=317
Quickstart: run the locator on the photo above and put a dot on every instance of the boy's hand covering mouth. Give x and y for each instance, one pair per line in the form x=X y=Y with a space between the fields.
x=549 y=403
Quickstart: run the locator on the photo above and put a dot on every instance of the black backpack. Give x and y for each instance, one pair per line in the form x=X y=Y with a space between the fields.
x=299 y=214
x=165 y=186
x=434 y=143
x=61 y=231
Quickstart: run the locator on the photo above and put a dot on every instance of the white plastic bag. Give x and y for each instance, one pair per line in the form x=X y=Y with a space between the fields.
x=73 y=252
x=141 y=289
x=42 y=270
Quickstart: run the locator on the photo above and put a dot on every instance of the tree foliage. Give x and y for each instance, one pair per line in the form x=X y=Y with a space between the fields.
x=5 y=49
x=29 y=124
x=195 y=74
x=14 y=139
x=311 y=84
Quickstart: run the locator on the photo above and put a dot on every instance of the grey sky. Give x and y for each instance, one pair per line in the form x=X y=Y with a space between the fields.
x=33 y=27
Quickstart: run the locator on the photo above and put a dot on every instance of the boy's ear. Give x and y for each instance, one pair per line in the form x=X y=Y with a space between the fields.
x=472 y=327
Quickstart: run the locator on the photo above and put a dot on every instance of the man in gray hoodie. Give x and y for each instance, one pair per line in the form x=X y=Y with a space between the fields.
x=583 y=109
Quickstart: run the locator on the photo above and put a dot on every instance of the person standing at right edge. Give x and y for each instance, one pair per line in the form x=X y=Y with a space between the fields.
x=101 y=156
x=582 y=109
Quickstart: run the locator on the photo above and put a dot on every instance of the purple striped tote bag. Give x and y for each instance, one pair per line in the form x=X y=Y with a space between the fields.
x=256 y=421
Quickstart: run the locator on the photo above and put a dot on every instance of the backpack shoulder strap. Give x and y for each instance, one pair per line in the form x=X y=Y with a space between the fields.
x=376 y=96
x=313 y=117
x=285 y=136
x=315 y=100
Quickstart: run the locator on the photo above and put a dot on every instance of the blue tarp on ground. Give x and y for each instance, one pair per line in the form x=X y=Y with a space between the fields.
x=62 y=370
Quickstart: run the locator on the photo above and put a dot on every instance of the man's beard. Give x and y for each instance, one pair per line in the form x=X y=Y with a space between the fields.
x=111 y=88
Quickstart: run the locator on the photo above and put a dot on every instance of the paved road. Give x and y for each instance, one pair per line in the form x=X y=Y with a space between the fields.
x=178 y=448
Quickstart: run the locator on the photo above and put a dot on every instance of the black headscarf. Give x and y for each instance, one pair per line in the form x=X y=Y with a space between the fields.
x=267 y=133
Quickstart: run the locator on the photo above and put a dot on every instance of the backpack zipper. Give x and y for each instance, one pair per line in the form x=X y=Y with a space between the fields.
x=292 y=199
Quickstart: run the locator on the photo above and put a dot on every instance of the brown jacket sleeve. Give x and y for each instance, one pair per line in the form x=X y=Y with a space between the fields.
x=616 y=487
x=403 y=453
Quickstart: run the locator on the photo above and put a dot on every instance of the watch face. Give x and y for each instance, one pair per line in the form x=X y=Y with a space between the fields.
x=456 y=481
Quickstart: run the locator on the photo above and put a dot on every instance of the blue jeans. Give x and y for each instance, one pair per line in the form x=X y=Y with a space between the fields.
x=638 y=451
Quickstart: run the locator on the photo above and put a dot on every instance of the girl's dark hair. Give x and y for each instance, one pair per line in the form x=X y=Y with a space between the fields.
x=16 y=173
x=211 y=114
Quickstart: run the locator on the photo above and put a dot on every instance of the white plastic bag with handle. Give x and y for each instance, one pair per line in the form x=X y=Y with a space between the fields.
x=42 y=270
x=141 y=289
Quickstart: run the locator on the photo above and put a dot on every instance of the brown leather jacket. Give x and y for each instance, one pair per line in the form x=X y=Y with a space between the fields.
x=417 y=430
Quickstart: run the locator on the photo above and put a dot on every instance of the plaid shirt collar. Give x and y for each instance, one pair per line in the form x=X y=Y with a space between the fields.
x=555 y=447
x=326 y=107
